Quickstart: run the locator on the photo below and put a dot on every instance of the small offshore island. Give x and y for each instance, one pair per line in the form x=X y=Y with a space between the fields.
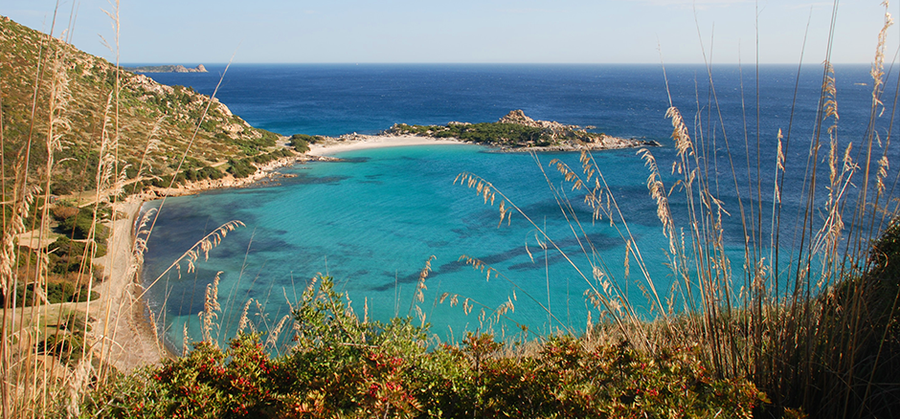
x=167 y=69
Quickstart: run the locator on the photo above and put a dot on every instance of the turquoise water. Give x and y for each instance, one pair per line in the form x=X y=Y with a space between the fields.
x=373 y=221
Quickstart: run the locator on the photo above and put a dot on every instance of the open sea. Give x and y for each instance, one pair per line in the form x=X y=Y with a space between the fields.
x=373 y=221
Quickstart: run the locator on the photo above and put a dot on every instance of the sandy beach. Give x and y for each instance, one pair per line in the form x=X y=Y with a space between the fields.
x=361 y=142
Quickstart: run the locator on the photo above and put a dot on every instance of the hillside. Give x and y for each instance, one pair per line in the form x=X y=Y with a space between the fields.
x=148 y=119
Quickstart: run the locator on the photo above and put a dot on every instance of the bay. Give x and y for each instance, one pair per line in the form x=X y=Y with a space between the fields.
x=373 y=221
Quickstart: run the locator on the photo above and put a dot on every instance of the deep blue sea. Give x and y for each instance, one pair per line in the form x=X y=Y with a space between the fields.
x=373 y=221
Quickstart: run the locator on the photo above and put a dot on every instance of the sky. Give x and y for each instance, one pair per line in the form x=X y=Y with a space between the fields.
x=190 y=32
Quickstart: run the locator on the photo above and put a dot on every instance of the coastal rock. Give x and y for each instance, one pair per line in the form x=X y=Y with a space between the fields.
x=518 y=117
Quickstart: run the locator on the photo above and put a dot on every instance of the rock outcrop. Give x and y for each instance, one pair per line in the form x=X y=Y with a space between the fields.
x=518 y=117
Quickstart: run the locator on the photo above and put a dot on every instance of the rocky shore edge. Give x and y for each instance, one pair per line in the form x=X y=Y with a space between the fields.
x=263 y=172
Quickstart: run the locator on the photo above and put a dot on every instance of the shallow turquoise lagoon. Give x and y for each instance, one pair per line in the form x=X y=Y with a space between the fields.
x=373 y=221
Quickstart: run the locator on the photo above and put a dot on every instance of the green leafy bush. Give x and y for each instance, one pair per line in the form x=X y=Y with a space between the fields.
x=78 y=226
x=301 y=142
x=241 y=168
x=66 y=255
x=67 y=347
x=245 y=167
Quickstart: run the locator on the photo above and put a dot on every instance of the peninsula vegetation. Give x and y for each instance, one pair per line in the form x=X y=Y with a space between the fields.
x=80 y=136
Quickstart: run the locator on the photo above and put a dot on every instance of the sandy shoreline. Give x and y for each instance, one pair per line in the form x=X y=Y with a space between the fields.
x=119 y=316
x=122 y=322
x=128 y=337
x=362 y=142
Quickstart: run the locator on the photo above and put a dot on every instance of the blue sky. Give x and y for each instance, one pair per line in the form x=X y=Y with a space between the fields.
x=468 y=31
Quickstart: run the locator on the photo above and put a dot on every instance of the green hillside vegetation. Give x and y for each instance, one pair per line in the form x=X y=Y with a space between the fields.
x=111 y=130
x=77 y=134
x=153 y=124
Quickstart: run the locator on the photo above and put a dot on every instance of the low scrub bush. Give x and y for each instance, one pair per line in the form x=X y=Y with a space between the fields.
x=77 y=223
x=241 y=168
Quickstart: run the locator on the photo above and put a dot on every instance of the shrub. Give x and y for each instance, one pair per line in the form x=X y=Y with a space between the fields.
x=61 y=212
x=491 y=133
x=301 y=142
x=240 y=168
x=66 y=255
x=78 y=226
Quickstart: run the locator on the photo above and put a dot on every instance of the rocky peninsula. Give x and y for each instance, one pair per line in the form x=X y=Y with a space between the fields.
x=516 y=132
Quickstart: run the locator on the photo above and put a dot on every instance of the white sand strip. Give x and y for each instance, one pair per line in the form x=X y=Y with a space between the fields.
x=362 y=142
